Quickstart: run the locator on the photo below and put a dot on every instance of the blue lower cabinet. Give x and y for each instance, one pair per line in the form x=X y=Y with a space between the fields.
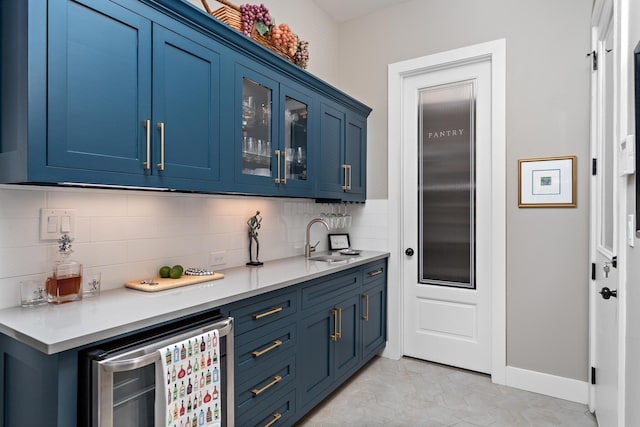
x=260 y=347
x=280 y=413
x=258 y=392
x=36 y=387
x=374 y=318
x=330 y=349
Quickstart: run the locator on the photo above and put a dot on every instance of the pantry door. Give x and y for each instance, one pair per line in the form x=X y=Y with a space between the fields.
x=447 y=208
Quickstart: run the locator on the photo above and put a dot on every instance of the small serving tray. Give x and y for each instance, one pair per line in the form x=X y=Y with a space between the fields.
x=349 y=252
x=164 y=284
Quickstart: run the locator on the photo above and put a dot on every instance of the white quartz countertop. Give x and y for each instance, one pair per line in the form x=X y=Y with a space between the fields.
x=56 y=328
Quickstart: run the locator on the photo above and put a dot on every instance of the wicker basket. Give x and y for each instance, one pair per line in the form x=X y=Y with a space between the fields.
x=229 y=13
x=269 y=44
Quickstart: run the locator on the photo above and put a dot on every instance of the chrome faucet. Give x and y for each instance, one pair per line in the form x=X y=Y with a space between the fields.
x=307 y=246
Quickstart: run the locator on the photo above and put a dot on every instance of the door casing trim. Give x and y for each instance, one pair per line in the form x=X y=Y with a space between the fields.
x=494 y=51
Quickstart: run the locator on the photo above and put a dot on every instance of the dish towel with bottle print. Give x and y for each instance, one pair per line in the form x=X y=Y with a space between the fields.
x=192 y=383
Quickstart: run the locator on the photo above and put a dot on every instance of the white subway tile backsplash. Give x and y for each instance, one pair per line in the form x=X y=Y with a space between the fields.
x=19 y=232
x=108 y=228
x=19 y=203
x=89 y=203
x=128 y=235
x=101 y=253
x=22 y=261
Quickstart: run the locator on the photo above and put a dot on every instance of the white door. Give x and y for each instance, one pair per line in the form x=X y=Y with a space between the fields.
x=604 y=229
x=446 y=208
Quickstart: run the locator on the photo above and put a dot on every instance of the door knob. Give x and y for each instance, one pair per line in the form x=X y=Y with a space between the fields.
x=608 y=293
x=409 y=252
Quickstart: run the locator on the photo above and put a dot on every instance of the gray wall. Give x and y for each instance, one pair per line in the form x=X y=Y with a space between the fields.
x=547 y=115
x=633 y=254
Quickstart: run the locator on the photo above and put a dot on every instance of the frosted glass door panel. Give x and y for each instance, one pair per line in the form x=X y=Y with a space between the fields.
x=447 y=184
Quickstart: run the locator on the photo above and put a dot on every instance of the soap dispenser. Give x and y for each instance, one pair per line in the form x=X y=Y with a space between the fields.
x=64 y=283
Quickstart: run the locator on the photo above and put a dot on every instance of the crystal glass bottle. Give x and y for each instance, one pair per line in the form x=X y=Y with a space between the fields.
x=64 y=283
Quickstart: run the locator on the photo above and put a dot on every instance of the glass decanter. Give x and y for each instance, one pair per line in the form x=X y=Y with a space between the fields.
x=64 y=283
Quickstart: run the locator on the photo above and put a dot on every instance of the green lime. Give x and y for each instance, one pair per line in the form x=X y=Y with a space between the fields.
x=164 y=271
x=176 y=272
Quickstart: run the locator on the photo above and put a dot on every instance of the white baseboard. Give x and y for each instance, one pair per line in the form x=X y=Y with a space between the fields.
x=550 y=385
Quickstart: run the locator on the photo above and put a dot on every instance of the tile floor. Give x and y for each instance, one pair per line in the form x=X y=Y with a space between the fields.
x=413 y=393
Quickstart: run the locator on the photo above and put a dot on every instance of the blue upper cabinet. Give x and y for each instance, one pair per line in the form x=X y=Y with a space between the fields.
x=128 y=96
x=272 y=134
x=99 y=86
x=156 y=93
x=186 y=108
x=342 y=154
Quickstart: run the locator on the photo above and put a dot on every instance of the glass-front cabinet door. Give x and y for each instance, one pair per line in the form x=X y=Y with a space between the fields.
x=295 y=140
x=257 y=128
x=272 y=140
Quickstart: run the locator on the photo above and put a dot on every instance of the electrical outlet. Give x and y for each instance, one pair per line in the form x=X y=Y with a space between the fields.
x=218 y=258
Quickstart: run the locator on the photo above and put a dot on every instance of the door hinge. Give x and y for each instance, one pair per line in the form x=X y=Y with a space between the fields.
x=614 y=261
x=594 y=167
x=594 y=59
x=593 y=375
x=593 y=271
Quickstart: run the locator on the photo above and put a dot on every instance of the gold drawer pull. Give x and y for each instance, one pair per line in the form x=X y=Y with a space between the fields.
x=267 y=313
x=276 y=380
x=147 y=126
x=276 y=417
x=161 y=164
x=375 y=272
x=276 y=344
x=340 y=323
x=335 y=335
x=345 y=187
x=277 y=180
x=366 y=305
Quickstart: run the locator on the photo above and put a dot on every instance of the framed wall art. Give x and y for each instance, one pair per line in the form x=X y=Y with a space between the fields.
x=547 y=182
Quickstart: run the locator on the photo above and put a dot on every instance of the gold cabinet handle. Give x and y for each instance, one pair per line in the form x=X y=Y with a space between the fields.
x=375 y=272
x=366 y=307
x=344 y=177
x=339 y=323
x=277 y=180
x=161 y=164
x=335 y=336
x=266 y=313
x=284 y=167
x=349 y=185
x=147 y=126
x=258 y=353
x=276 y=417
x=276 y=380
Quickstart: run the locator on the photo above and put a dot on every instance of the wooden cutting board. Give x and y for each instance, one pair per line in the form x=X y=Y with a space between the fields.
x=164 y=284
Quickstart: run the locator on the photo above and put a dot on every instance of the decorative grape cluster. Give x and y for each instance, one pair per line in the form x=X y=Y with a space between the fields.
x=301 y=57
x=283 y=37
x=251 y=13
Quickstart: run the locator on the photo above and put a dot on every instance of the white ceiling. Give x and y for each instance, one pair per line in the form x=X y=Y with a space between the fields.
x=345 y=10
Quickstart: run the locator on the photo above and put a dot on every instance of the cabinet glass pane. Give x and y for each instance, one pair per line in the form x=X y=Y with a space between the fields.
x=256 y=128
x=295 y=139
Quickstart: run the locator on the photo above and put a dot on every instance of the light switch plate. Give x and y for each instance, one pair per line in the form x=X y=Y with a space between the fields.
x=56 y=222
